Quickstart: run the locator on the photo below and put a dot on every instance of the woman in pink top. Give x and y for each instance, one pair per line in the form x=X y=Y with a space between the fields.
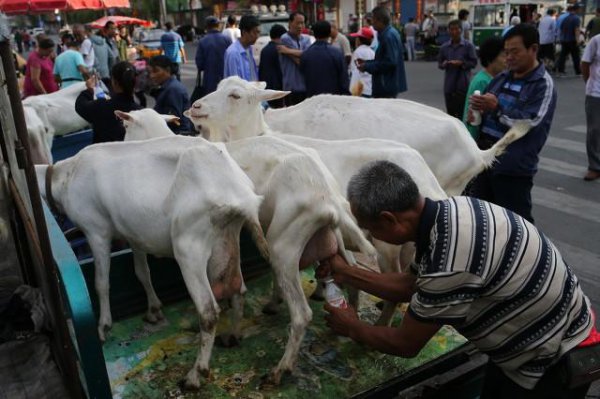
x=39 y=76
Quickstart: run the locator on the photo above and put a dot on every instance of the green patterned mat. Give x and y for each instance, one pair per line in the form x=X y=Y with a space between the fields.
x=148 y=361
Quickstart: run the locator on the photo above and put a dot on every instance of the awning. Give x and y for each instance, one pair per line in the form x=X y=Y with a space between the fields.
x=40 y=6
x=119 y=20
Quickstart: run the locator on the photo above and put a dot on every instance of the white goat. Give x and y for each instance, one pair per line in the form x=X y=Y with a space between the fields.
x=442 y=140
x=179 y=197
x=56 y=111
x=303 y=213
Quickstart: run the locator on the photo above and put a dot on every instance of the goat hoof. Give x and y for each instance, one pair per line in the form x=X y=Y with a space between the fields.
x=270 y=381
x=227 y=340
x=154 y=317
x=103 y=332
x=270 y=309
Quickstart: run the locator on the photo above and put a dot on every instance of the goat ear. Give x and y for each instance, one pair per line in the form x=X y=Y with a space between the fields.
x=123 y=116
x=171 y=118
x=268 y=95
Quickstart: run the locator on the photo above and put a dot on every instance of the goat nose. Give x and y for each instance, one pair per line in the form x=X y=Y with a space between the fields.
x=197 y=105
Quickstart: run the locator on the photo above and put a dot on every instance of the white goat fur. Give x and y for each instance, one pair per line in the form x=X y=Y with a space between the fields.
x=179 y=197
x=57 y=114
x=304 y=215
x=442 y=140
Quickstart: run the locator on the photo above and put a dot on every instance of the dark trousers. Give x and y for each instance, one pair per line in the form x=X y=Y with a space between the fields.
x=455 y=104
x=279 y=103
x=295 y=97
x=569 y=48
x=497 y=385
x=592 y=116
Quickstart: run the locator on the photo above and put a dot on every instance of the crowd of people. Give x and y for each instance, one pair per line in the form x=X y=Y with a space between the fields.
x=493 y=292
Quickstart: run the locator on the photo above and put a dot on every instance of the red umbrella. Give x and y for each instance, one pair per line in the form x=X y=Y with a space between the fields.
x=40 y=6
x=119 y=20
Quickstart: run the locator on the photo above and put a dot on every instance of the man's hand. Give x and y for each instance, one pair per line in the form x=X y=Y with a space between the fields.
x=341 y=321
x=90 y=83
x=285 y=50
x=335 y=266
x=360 y=64
x=455 y=63
x=483 y=103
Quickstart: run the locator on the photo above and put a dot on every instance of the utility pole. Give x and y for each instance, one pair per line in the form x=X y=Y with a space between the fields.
x=163 y=13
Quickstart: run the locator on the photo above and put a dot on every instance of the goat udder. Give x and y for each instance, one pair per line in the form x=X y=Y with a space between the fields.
x=227 y=287
x=322 y=245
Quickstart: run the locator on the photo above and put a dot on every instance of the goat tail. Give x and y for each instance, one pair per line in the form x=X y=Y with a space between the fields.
x=258 y=236
x=519 y=129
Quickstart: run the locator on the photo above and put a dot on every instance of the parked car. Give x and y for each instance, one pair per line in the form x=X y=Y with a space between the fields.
x=149 y=43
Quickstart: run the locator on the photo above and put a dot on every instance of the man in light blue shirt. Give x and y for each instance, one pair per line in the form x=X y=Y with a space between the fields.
x=173 y=47
x=69 y=66
x=239 y=60
x=293 y=43
x=547 y=30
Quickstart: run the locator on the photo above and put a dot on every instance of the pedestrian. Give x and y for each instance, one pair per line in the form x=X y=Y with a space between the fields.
x=457 y=58
x=387 y=69
x=69 y=67
x=173 y=47
x=514 y=21
x=104 y=55
x=593 y=27
x=493 y=61
x=368 y=23
x=340 y=41
x=569 y=41
x=39 y=72
x=210 y=58
x=100 y=112
x=524 y=91
x=269 y=68
x=232 y=31
x=547 y=31
x=19 y=40
x=487 y=272
x=467 y=28
x=27 y=40
x=239 y=56
x=293 y=43
x=123 y=43
x=86 y=48
x=323 y=65
x=361 y=83
x=590 y=66
x=171 y=97
x=430 y=29
x=411 y=29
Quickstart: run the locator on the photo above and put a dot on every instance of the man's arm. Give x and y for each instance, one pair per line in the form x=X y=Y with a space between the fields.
x=407 y=340
x=390 y=58
x=36 y=73
x=471 y=59
x=182 y=51
x=393 y=287
x=442 y=58
x=588 y=58
x=585 y=71
x=200 y=57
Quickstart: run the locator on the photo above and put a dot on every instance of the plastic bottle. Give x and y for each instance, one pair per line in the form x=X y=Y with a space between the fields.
x=334 y=294
x=99 y=93
x=476 y=114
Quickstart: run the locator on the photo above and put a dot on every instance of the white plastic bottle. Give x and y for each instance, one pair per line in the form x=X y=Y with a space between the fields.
x=334 y=294
x=476 y=114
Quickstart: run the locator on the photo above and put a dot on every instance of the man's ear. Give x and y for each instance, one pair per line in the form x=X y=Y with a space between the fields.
x=388 y=218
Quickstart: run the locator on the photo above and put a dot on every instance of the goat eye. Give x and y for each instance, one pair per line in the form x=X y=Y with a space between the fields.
x=234 y=96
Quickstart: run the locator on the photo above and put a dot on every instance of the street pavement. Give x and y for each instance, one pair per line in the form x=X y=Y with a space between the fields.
x=565 y=207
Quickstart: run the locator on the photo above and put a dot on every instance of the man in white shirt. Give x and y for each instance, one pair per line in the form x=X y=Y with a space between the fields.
x=340 y=41
x=590 y=69
x=86 y=49
x=548 y=31
x=361 y=82
x=232 y=31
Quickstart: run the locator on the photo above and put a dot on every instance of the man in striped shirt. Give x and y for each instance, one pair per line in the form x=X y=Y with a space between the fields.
x=173 y=47
x=480 y=268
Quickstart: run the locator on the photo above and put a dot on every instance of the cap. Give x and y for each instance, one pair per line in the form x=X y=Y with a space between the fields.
x=365 y=32
x=211 y=21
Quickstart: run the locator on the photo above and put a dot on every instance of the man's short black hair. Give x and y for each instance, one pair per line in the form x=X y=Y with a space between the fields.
x=463 y=13
x=46 y=44
x=551 y=11
x=161 y=61
x=248 y=22
x=277 y=31
x=108 y=24
x=411 y=19
x=293 y=15
x=382 y=14
x=169 y=25
x=321 y=29
x=490 y=49
x=455 y=22
x=527 y=32
x=231 y=20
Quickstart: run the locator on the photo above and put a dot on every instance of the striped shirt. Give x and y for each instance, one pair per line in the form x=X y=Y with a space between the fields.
x=501 y=283
x=171 y=44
